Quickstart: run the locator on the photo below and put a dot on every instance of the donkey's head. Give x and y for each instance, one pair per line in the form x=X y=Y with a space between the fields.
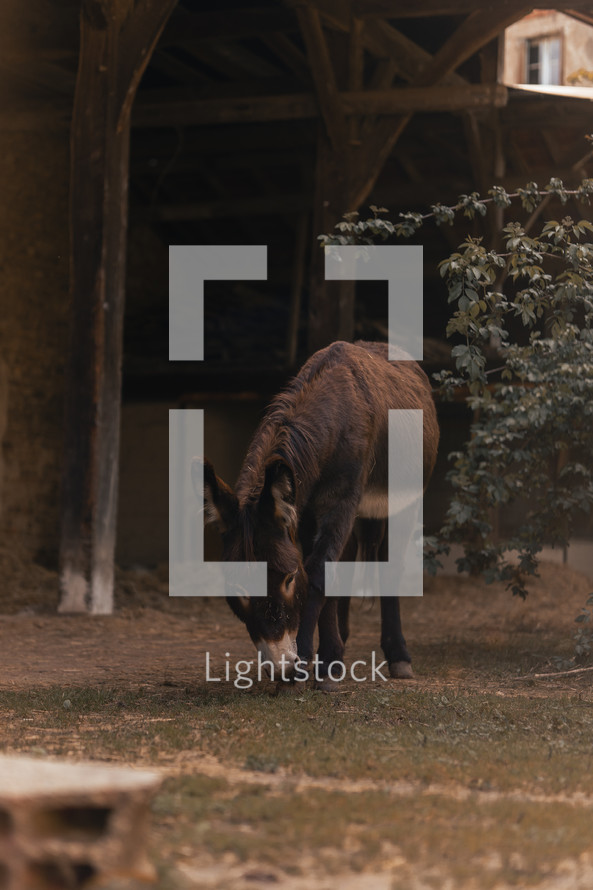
x=262 y=529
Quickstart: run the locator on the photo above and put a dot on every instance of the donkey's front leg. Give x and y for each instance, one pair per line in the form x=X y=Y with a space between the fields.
x=308 y=623
x=331 y=645
x=334 y=626
x=392 y=638
x=334 y=529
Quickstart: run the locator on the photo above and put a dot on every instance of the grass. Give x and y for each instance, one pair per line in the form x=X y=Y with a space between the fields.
x=477 y=740
x=503 y=840
x=443 y=783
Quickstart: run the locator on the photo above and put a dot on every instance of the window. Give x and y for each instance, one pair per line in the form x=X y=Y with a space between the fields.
x=543 y=60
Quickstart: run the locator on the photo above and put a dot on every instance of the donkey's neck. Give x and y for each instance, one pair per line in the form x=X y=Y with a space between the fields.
x=300 y=441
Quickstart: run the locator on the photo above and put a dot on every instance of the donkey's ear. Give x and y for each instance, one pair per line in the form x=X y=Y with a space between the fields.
x=279 y=495
x=220 y=501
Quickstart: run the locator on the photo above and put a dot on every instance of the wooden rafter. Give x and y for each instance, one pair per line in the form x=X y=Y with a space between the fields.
x=291 y=56
x=382 y=77
x=356 y=56
x=162 y=109
x=233 y=60
x=582 y=15
x=475 y=31
x=355 y=74
x=139 y=35
x=476 y=153
x=323 y=75
x=168 y=64
x=383 y=41
x=412 y=60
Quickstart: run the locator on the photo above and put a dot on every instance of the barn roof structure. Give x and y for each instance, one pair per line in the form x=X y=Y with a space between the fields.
x=214 y=123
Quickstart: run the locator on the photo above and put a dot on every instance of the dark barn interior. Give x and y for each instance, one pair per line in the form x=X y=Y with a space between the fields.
x=136 y=125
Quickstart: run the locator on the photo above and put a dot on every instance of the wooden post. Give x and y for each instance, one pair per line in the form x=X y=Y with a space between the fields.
x=116 y=43
x=298 y=274
x=331 y=303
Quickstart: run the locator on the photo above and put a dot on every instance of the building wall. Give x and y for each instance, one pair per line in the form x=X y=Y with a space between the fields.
x=33 y=334
x=577 y=43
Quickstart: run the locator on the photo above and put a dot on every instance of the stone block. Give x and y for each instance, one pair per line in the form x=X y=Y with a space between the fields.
x=65 y=826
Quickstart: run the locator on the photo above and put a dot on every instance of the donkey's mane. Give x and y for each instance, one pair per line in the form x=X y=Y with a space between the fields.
x=281 y=437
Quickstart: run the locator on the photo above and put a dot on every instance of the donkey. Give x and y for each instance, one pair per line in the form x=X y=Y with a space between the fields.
x=313 y=489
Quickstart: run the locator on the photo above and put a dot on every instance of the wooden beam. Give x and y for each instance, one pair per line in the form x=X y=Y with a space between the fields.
x=233 y=60
x=356 y=57
x=115 y=46
x=476 y=153
x=412 y=60
x=296 y=292
x=581 y=15
x=323 y=76
x=289 y=54
x=425 y=99
x=383 y=41
x=182 y=71
x=156 y=109
x=139 y=37
x=161 y=109
x=476 y=31
x=331 y=303
x=355 y=74
x=87 y=538
x=383 y=75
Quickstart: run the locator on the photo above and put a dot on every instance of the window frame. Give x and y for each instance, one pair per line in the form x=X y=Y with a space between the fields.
x=529 y=67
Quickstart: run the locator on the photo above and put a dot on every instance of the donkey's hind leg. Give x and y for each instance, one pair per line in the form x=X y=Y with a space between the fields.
x=392 y=638
x=344 y=618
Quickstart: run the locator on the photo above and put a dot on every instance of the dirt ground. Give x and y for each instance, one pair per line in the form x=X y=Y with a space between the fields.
x=429 y=781
x=155 y=639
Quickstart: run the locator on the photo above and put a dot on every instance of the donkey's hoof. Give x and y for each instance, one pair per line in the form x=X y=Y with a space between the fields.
x=401 y=670
x=327 y=685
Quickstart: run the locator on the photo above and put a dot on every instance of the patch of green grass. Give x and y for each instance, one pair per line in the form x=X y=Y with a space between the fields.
x=476 y=740
x=451 y=746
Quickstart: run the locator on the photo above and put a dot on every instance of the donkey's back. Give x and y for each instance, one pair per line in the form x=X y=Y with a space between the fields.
x=332 y=420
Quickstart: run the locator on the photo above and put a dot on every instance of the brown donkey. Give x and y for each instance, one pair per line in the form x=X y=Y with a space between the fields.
x=313 y=489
